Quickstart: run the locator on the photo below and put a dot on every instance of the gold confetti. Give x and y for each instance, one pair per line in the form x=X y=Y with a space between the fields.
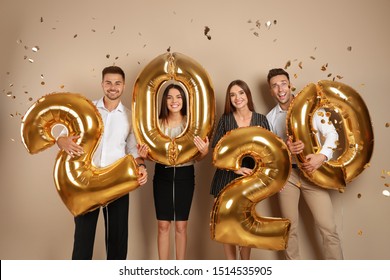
x=41 y=76
x=93 y=30
x=322 y=121
x=206 y=32
x=256 y=34
x=30 y=99
x=75 y=35
x=387 y=124
x=42 y=83
x=293 y=88
x=249 y=21
x=323 y=67
x=169 y=49
x=386 y=193
x=107 y=56
x=383 y=177
x=328 y=114
x=339 y=77
x=360 y=232
x=300 y=64
x=35 y=49
x=9 y=94
x=62 y=86
x=12 y=139
x=288 y=64
x=312 y=57
x=258 y=24
x=349 y=48
x=359 y=195
x=31 y=60
x=321 y=114
x=19 y=41
x=295 y=76
x=268 y=24
x=41 y=19
x=275 y=21
x=330 y=74
x=367 y=165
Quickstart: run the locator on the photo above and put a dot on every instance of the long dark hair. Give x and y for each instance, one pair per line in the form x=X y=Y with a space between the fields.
x=164 y=112
x=229 y=108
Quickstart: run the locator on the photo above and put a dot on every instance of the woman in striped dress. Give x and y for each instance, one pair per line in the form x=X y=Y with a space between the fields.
x=239 y=112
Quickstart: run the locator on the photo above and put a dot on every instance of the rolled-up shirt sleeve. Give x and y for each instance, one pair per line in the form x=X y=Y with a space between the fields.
x=325 y=130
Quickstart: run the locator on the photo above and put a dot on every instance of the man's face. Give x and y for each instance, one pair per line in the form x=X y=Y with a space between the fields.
x=280 y=90
x=113 y=86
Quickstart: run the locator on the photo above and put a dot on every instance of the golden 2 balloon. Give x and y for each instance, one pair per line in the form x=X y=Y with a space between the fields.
x=234 y=219
x=81 y=186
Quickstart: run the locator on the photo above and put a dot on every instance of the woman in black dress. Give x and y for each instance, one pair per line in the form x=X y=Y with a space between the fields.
x=173 y=186
x=239 y=112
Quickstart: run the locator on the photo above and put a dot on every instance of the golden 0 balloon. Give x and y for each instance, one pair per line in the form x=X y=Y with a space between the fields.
x=233 y=218
x=355 y=127
x=81 y=186
x=160 y=72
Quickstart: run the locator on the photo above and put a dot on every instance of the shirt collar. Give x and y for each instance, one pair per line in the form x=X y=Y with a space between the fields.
x=100 y=104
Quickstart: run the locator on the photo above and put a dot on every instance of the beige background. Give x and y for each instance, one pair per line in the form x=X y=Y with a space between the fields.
x=34 y=224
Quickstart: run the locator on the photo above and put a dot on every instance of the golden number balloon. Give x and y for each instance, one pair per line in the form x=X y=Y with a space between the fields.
x=234 y=219
x=355 y=125
x=82 y=186
x=164 y=69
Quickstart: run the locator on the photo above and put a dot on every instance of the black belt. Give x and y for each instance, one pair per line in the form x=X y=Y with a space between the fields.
x=294 y=165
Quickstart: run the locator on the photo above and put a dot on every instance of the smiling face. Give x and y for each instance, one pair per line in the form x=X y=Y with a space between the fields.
x=281 y=90
x=113 y=86
x=238 y=97
x=174 y=100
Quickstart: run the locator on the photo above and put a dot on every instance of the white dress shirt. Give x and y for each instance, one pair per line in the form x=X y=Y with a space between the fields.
x=325 y=129
x=117 y=139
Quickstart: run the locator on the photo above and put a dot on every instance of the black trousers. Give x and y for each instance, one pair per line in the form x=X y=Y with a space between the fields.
x=116 y=215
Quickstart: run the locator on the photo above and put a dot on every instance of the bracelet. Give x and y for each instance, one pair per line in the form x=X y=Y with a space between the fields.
x=142 y=164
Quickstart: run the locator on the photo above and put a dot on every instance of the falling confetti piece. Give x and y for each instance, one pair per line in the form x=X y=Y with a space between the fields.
x=360 y=232
x=349 y=48
x=295 y=76
x=41 y=76
x=256 y=34
x=30 y=99
x=329 y=75
x=367 y=165
x=293 y=88
x=323 y=67
x=300 y=64
x=387 y=124
x=35 y=49
x=93 y=30
x=41 y=19
x=387 y=185
x=258 y=24
x=42 y=83
x=268 y=24
x=75 y=35
x=275 y=21
x=386 y=193
x=359 y=195
x=31 y=60
x=107 y=56
x=62 y=86
x=206 y=32
x=12 y=139
x=339 y=77
x=312 y=57
x=19 y=41
x=288 y=64
x=321 y=114
x=169 y=49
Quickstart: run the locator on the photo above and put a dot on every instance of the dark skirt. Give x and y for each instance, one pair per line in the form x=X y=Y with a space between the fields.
x=173 y=189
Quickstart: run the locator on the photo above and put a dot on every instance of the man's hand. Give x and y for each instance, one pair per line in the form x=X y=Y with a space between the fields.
x=295 y=147
x=313 y=162
x=67 y=143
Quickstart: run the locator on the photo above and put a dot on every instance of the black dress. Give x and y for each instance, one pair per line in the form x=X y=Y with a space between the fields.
x=173 y=186
x=226 y=123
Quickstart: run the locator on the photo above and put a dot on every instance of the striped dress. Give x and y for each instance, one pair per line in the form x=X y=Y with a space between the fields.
x=226 y=123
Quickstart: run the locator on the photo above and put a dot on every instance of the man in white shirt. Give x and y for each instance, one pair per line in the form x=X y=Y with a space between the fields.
x=317 y=198
x=117 y=141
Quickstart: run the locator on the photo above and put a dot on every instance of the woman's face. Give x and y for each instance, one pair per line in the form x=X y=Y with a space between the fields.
x=174 y=100
x=238 y=97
